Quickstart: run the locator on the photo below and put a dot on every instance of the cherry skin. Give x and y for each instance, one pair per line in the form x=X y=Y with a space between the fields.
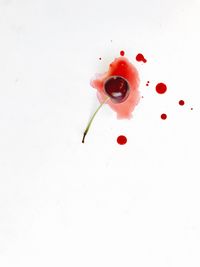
x=117 y=88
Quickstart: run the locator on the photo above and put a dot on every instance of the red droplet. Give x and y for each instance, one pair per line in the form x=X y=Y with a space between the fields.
x=122 y=53
x=147 y=83
x=163 y=116
x=181 y=102
x=100 y=58
x=121 y=140
x=161 y=88
x=140 y=57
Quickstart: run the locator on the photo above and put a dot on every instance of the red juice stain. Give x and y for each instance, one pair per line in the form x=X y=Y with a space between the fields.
x=181 y=102
x=163 y=116
x=122 y=53
x=140 y=57
x=161 y=88
x=121 y=140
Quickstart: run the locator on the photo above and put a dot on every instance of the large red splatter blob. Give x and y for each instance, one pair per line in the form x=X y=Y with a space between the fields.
x=161 y=88
x=140 y=57
x=123 y=68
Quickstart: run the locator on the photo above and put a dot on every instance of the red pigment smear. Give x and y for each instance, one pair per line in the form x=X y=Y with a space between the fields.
x=161 y=88
x=163 y=116
x=181 y=102
x=122 y=53
x=120 y=67
x=140 y=57
x=121 y=140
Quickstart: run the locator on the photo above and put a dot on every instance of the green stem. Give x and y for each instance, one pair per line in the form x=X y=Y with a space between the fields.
x=90 y=122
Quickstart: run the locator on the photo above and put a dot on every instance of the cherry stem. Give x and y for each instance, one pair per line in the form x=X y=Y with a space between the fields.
x=92 y=118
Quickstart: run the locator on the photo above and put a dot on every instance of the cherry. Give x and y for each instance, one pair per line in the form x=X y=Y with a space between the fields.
x=117 y=88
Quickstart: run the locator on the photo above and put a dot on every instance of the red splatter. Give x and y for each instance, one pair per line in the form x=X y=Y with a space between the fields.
x=123 y=68
x=121 y=140
x=181 y=102
x=161 y=88
x=147 y=83
x=163 y=116
x=140 y=57
x=122 y=53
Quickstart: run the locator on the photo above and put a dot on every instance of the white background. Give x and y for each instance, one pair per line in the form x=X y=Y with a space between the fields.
x=63 y=203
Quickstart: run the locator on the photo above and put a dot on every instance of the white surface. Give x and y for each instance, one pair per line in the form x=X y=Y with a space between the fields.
x=63 y=203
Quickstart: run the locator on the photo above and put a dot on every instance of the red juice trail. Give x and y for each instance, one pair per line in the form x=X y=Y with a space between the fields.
x=140 y=57
x=121 y=140
x=161 y=88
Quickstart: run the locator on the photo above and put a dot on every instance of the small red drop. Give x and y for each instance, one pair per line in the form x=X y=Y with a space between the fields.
x=122 y=53
x=140 y=57
x=161 y=88
x=181 y=102
x=100 y=58
x=121 y=140
x=163 y=116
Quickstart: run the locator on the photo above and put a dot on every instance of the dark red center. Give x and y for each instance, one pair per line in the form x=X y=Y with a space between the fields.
x=117 y=88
